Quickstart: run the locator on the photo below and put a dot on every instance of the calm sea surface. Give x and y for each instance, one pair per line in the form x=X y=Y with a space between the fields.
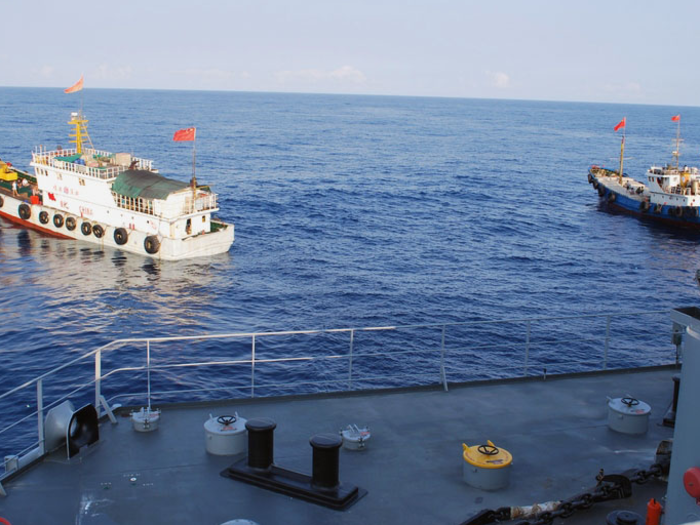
x=349 y=211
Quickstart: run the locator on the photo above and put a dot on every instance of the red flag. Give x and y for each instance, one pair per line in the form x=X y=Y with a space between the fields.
x=621 y=124
x=75 y=87
x=677 y=118
x=185 y=134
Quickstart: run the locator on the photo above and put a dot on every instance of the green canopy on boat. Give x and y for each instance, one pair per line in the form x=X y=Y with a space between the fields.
x=146 y=185
x=69 y=158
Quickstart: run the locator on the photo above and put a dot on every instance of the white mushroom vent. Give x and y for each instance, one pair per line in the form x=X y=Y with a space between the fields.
x=354 y=437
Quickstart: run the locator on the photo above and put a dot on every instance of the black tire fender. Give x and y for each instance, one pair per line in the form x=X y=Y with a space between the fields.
x=70 y=223
x=86 y=228
x=24 y=211
x=121 y=236
x=151 y=244
x=44 y=217
x=98 y=231
x=58 y=220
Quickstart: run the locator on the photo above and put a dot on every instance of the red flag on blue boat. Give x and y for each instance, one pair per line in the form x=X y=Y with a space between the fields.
x=75 y=87
x=185 y=134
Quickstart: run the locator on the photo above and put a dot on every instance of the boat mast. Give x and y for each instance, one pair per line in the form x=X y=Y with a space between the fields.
x=622 y=157
x=677 y=152
x=623 y=125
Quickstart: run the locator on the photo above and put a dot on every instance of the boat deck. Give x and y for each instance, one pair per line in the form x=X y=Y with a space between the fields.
x=628 y=187
x=556 y=430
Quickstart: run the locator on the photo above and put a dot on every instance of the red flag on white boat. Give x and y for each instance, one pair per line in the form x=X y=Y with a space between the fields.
x=185 y=134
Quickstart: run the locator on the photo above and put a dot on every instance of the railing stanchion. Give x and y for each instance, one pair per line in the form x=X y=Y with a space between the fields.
x=352 y=339
x=252 y=368
x=527 y=348
x=40 y=414
x=98 y=379
x=148 y=372
x=442 y=360
x=607 y=343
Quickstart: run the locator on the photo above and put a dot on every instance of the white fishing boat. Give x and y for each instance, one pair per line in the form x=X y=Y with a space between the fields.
x=113 y=199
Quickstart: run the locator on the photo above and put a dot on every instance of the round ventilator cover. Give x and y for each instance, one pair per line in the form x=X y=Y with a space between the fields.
x=486 y=466
x=145 y=420
x=225 y=435
x=628 y=415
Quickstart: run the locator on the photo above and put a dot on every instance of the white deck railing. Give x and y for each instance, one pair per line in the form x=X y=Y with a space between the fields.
x=163 y=369
x=109 y=172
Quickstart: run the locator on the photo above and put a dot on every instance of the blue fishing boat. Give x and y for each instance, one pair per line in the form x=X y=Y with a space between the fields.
x=670 y=194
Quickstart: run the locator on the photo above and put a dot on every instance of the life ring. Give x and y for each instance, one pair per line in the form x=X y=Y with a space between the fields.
x=121 y=236
x=70 y=223
x=86 y=228
x=644 y=206
x=44 y=217
x=98 y=231
x=151 y=244
x=612 y=197
x=601 y=191
x=658 y=208
x=58 y=220
x=24 y=211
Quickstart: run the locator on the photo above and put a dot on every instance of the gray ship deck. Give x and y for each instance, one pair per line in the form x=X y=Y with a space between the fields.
x=556 y=430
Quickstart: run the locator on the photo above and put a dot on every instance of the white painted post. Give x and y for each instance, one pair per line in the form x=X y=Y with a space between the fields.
x=527 y=348
x=352 y=339
x=98 y=380
x=252 y=368
x=442 y=360
x=40 y=414
x=148 y=372
x=607 y=343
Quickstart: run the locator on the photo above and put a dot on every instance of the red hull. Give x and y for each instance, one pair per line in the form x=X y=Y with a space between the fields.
x=28 y=224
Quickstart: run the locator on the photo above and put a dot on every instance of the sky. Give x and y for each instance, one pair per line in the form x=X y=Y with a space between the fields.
x=618 y=51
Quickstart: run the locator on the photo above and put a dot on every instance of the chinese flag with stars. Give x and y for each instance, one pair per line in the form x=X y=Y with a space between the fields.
x=185 y=134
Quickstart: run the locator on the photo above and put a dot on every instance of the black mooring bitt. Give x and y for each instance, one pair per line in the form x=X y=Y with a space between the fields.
x=322 y=488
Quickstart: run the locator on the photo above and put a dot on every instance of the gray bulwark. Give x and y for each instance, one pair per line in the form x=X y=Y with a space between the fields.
x=556 y=430
x=146 y=185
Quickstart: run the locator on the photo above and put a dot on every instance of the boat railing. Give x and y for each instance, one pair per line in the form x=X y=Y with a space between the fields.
x=141 y=371
x=105 y=172
x=203 y=202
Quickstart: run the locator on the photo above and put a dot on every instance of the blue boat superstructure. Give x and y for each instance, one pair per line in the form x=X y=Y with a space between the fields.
x=671 y=194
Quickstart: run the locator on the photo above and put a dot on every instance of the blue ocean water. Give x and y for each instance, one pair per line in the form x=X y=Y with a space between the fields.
x=349 y=211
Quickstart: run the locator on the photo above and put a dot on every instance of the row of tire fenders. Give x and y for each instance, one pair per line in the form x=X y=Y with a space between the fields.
x=121 y=236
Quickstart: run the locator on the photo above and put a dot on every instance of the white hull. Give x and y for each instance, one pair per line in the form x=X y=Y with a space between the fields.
x=201 y=245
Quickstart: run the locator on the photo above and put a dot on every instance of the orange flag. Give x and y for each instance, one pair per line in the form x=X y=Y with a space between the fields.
x=75 y=87
x=677 y=118
x=185 y=134
x=621 y=124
